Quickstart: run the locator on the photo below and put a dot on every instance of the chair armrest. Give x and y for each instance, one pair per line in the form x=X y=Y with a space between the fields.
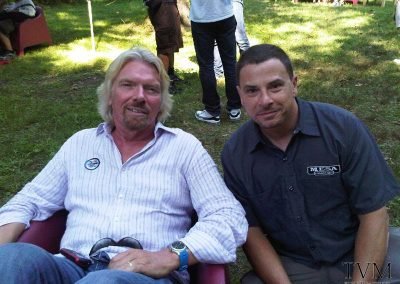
x=46 y=234
x=209 y=273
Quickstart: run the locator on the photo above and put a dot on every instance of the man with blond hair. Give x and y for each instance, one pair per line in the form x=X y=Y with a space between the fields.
x=131 y=187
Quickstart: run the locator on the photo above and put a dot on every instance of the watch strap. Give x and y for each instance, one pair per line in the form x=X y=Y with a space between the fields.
x=183 y=260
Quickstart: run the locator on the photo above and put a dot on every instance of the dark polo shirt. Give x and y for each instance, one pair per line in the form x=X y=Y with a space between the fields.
x=307 y=198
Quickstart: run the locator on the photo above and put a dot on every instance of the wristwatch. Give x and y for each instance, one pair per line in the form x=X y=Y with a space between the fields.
x=181 y=250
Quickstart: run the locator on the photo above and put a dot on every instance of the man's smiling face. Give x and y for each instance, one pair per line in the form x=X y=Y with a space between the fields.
x=136 y=96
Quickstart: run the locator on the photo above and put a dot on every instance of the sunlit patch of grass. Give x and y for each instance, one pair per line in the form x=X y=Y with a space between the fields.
x=83 y=55
x=354 y=22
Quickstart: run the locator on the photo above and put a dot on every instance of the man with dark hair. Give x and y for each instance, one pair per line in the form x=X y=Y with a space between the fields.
x=311 y=178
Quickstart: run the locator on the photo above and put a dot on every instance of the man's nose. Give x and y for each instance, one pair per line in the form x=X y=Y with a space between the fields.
x=138 y=94
x=265 y=98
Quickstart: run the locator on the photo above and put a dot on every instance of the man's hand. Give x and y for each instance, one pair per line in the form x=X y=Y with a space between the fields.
x=154 y=264
x=10 y=232
x=263 y=258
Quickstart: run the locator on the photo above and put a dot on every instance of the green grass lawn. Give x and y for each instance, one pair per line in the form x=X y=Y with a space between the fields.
x=342 y=55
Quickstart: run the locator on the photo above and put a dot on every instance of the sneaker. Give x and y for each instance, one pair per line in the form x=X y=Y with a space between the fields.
x=7 y=55
x=205 y=116
x=234 y=114
x=219 y=72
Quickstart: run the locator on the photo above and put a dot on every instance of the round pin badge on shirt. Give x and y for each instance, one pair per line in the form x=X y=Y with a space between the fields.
x=92 y=164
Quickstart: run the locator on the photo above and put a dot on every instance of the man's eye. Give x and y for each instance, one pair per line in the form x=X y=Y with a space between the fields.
x=251 y=91
x=153 y=90
x=276 y=87
x=126 y=84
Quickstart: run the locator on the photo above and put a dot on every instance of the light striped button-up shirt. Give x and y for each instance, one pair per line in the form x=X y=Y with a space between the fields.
x=151 y=197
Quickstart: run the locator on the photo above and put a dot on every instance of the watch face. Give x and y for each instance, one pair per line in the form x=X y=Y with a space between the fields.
x=178 y=245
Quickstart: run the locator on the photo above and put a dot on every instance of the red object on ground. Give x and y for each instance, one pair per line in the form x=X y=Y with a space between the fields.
x=31 y=32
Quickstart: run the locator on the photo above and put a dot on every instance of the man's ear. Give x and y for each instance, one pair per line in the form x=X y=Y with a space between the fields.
x=238 y=88
x=239 y=91
x=294 y=82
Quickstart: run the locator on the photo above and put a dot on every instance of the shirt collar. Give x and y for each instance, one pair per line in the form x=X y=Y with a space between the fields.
x=158 y=130
x=306 y=125
x=254 y=137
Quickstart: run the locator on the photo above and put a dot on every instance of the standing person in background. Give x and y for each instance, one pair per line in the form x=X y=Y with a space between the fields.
x=165 y=18
x=213 y=21
x=242 y=40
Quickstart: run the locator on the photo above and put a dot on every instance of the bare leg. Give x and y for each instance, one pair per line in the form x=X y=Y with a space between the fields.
x=165 y=58
x=5 y=42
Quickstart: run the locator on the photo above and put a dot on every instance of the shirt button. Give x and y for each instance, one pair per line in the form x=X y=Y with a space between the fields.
x=312 y=247
x=284 y=159
x=299 y=219
x=291 y=188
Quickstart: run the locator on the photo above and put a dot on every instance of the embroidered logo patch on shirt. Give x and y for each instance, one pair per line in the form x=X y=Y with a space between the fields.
x=323 y=170
x=92 y=164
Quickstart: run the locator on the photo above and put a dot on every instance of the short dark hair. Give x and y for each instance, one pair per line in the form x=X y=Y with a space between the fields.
x=263 y=52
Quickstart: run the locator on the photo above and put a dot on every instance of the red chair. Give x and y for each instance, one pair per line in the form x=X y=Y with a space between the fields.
x=47 y=234
x=30 y=32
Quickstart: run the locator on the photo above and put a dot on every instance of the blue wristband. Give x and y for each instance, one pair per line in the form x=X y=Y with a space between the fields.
x=182 y=251
x=183 y=260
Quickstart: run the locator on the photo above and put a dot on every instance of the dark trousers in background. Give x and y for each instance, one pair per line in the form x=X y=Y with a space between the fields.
x=204 y=35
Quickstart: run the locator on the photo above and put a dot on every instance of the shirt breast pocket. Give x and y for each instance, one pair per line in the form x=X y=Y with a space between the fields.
x=271 y=210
